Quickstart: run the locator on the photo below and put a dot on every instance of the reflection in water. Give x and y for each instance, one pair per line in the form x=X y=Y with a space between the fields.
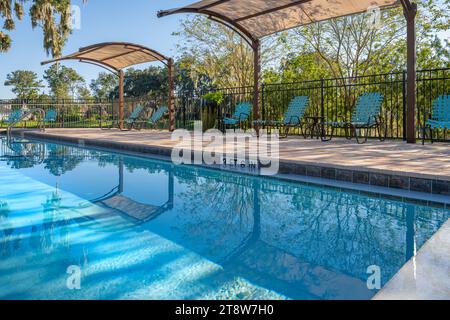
x=148 y=229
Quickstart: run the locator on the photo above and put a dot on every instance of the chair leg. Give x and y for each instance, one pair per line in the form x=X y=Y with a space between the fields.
x=303 y=131
x=324 y=137
x=366 y=137
x=350 y=132
x=381 y=135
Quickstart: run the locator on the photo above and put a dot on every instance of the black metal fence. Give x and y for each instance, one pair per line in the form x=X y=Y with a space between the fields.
x=72 y=113
x=331 y=99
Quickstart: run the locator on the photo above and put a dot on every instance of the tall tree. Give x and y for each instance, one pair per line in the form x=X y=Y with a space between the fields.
x=214 y=50
x=355 y=45
x=64 y=82
x=25 y=84
x=104 y=86
x=341 y=47
x=152 y=81
x=84 y=93
x=53 y=16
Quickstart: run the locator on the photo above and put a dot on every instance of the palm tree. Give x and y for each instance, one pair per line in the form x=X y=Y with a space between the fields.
x=54 y=17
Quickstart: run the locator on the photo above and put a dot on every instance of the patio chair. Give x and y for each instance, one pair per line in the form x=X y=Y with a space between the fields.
x=240 y=117
x=292 y=118
x=157 y=116
x=366 y=116
x=132 y=120
x=440 y=117
x=50 y=116
x=14 y=116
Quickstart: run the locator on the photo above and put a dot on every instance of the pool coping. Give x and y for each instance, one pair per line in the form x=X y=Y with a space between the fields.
x=427 y=275
x=404 y=285
x=408 y=185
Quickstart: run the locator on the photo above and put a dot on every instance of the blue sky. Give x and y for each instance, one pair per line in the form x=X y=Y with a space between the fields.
x=101 y=21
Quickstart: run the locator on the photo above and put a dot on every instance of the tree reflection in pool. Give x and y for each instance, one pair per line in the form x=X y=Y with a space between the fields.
x=146 y=229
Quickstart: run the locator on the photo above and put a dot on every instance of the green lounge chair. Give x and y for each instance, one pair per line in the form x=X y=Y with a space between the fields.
x=440 y=118
x=292 y=118
x=365 y=116
x=240 y=117
x=132 y=120
x=157 y=116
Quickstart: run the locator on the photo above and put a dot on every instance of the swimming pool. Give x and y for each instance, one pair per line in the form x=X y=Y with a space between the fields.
x=146 y=229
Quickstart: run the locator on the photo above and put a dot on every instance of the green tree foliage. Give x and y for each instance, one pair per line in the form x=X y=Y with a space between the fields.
x=84 y=93
x=104 y=86
x=152 y=81
x=211 y=49
x=25 y=84
x=64 y=82
x=343 y=47
x=353 y=46
x=53 y=16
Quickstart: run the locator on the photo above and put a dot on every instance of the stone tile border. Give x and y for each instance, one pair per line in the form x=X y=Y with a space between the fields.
x=400 y=181
x=403 y=182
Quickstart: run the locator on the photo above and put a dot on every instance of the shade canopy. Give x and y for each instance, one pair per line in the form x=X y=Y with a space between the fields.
x=114 y=55
x=255 y=19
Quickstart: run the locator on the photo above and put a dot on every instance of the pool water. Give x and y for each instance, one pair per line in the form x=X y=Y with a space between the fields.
x=137 y=228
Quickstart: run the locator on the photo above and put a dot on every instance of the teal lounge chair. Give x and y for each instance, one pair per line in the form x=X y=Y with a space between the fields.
x=366 y=116
x=440 y=118
x=133 y=118
x=50 y=116
x=240 y=117
x=14 y=116
x=157 y=116
x=292 y=118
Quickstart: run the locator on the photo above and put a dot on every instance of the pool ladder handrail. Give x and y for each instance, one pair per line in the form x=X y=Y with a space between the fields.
x=41 y=123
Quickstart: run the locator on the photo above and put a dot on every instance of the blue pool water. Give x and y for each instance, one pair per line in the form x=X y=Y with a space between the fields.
x=144 y=229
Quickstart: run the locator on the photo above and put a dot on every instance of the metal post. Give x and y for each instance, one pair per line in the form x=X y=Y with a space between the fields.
x=404 y=105
x=322 y=98
x=263 y=106
x=410 y=10
x=256 y=80
x=171 y=95
x=121 y=99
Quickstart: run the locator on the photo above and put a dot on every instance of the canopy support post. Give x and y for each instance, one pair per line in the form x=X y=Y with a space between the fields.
x=410 y=11
x=121 y=99
x=256 y=81
x=171 y=103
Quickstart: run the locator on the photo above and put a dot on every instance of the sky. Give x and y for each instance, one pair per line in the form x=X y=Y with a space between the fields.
x=101 y=21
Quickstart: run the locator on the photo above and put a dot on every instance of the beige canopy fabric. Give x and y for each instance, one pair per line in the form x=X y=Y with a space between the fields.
x=260 y=18
x=114 y=55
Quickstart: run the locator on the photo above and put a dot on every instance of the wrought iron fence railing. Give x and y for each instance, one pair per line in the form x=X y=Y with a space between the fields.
x=331 y=99
x=69 y=113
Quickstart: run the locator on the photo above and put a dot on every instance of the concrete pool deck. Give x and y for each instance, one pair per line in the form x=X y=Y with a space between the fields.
x=391 y=164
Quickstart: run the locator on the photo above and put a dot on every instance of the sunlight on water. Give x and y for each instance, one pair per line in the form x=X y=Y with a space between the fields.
x=144 y=229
